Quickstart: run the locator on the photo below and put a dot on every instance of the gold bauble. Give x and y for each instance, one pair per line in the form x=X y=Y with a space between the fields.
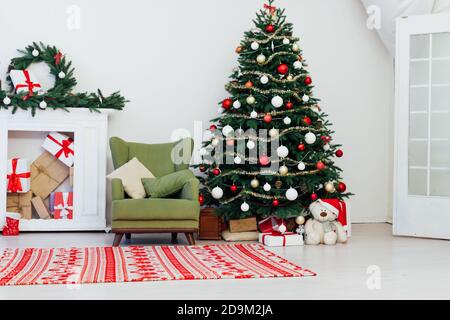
x=283 y=170
x=238 y=50
x=329 y=187
x=300 y=220
x=254 y=183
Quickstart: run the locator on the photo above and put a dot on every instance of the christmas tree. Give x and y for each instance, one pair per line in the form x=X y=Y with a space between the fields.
x=271 y=151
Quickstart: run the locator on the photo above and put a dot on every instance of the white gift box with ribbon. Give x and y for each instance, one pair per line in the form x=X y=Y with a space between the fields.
x=61 y=146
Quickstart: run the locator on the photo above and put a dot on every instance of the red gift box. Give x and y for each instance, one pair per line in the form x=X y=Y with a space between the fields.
x=270 y=224
x=18 y=176
x=63 y=207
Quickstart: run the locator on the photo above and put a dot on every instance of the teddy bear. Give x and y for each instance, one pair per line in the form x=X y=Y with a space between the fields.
x=328 y=222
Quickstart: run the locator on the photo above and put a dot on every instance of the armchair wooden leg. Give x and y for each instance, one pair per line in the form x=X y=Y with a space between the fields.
x=190 y=238
x=117 y=239
x=128 y=236
x=174 y=238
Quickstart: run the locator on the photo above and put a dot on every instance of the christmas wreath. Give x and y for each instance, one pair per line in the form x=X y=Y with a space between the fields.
x=25 y=92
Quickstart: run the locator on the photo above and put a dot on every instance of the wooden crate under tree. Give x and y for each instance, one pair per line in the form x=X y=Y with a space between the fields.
x=210 y=225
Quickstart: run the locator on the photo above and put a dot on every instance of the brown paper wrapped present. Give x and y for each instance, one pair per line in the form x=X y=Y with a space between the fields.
x=71 y=176
x=19 y=203
x=47 y=173
x=40 y=207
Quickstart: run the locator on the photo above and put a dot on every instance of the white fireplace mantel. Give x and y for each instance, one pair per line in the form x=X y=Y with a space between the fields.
x=90 y=135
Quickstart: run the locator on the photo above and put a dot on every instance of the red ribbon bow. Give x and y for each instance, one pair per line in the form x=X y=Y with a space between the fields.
x=14 y=184
x=58 y=57
x=28 y=84
x=277 y=234
x=270 y=8
x=65 y=146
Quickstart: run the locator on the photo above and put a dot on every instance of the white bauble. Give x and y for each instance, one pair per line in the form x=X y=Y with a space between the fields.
x=215 y=142
x=298 y=64
x=254 y=183
x=236 y=104
x=254 y=45
x=6 y=101
x=261 y=59
x=264 y=79
x=237 y=160
x=282 y=151
x=277 y=101
x=273 y=133
x=329 y=187
x=35 y=53
x=301 y=166
x=295 y=47
x=282 y=229
x=310 y=138
x=239 y=132
x=61 y=75
x=250 y=100
x=283 y=170
x=217 y=193
x=42 y=104
x=291 y=194
x=286 y=41
x=245 y=207
x=287 y=121
x=251 y=145
x=326 y=147
x=203 y=151
x=227 y=130
x=305 y=98
x=267 y=187
x=300 y=220
x=253 y=114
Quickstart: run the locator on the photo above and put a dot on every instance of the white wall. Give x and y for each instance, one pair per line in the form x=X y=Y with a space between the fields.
x=172 y=59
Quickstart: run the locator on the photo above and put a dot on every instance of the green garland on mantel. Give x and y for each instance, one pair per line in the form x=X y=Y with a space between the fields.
x=61 y=95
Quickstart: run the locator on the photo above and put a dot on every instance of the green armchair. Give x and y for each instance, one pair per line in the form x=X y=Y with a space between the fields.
x=179 y=214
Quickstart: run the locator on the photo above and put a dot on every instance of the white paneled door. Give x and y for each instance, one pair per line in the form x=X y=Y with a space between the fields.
x=422 y=164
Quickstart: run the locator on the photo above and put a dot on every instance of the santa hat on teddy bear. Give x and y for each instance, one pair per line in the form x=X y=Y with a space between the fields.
x=337 y=207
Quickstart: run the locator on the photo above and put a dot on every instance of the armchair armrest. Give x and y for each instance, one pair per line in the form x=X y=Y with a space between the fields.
x=117 y=189
x=190 y=190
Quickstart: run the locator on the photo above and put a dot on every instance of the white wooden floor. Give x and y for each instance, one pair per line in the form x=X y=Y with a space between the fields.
x=408 y=268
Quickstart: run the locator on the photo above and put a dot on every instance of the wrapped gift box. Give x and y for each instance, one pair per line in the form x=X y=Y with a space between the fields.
x=19 y=203
x=270 y=224
x=40 y=208
x=18 y=176
x=47 y=173
x=276 y=239
x=61 y=147
x=25 y=81
x=63 y=206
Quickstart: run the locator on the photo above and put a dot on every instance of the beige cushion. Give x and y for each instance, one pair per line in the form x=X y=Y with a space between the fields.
x=131 y=174
x=240 y=236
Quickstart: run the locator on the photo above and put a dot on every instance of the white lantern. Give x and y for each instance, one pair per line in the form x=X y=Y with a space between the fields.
x=301 y=166
x=298 y=65
x=250 y=100
x=261 y=59
x=310 y=138
x=291 y=194
x=277 y=101
x=267 y=187
x=227 y=130
x=287 y=121
x=245 y=207
x=254 y=45
x=236 y=104
x=264 y=79
x=282 y=151
x=217 y=193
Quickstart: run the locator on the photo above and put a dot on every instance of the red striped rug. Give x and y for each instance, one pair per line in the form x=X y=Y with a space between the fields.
x=156 y=263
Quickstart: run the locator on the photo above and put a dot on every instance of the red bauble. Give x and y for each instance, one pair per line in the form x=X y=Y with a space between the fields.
x=339 y=153
x=341 y=187
x=308 y=80
x=202 y=168
x=264 y=160
x=227 y=103
x=216 y=172
x=270 y=28
x=314 y=197
x=289 y=105
x=201 y=200
x=320 y=165
x=275 y=202
x=301 y=147
x=307 y=121
x=268 y=118
x=249 y=84
x=212 y=127
x=325 y=139
x=283 y=68
x=233 y=188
